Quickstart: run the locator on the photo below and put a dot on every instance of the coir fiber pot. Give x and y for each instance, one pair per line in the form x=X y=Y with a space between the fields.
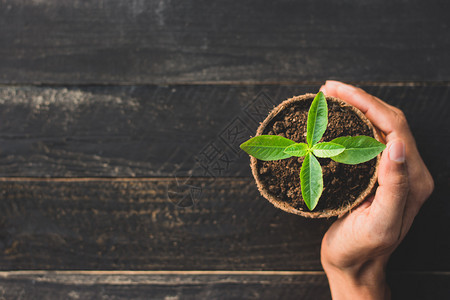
x=345 y=186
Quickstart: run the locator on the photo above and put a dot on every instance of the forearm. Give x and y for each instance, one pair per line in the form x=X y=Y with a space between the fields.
x=362 y=282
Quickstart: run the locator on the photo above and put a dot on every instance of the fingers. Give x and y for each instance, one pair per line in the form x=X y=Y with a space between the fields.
x=404 y=187
x=389 y=203
x=353 y=95
x=387 y=118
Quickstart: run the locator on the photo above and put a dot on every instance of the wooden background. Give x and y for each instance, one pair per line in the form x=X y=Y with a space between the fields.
x=119 y=126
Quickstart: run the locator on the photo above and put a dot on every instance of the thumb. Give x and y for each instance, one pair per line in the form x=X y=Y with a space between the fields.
x=390 y=197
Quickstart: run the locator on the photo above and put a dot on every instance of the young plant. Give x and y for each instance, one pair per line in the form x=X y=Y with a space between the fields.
x=347 y=150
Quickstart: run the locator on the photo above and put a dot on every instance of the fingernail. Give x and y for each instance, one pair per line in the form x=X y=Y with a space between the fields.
x=397 y=151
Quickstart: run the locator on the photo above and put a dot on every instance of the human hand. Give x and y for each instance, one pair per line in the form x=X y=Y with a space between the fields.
x=356 y=248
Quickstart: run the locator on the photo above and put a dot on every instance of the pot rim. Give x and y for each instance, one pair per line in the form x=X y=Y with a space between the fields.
x=312 y=214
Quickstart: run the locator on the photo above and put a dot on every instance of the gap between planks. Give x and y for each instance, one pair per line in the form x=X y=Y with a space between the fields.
x=5 y=274
x=230 y=82
x=121 y=179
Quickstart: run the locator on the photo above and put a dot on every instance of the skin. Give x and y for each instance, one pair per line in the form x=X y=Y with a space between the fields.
x=356 y=248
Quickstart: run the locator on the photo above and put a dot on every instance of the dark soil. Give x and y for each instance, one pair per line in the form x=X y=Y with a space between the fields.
x=342 y=183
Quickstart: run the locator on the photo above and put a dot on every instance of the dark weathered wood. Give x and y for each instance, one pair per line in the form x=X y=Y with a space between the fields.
x=216 y=219
x=198 y=285
x=151 y=224
x=183 y=224
x=164 y=286
x=142 y=131
x=124 y=131
x=195 y=41
x=419 y=286
x=427 y=245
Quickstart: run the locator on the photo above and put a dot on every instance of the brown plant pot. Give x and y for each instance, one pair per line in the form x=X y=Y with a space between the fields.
x=345 y=186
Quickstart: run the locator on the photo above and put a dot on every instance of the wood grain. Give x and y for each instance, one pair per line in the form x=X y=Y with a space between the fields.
x=151 y=225
x=208 y=285
x=119 y=130
x=174 y=41
x=174 y=286
x=178 y=224
x=180 y=130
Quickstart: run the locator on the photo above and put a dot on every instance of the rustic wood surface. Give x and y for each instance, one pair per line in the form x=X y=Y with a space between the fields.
x=165 y=286
x=200 y=285
x=184 y=224
x=151 y=225
x=120 y=175
x=173 y=41
x=142 y=131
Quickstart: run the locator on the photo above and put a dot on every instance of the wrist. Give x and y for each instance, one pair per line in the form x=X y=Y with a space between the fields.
x=363 y=281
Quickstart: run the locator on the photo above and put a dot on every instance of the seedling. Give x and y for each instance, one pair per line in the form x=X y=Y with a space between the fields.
x=347 y=150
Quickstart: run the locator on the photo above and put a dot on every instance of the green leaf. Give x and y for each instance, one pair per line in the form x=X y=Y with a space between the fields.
x=311 y=181
x=300 y=149
x=327 y=149
x=358 y=149
x=267 y=147
x=317 y=119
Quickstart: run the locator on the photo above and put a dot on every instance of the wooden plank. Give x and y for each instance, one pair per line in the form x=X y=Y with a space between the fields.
x=121 y=131
x=172 y=286
x=146 y=42
x=150 y=224
x=143 y=131
x=189 y=224
x=197 y=285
